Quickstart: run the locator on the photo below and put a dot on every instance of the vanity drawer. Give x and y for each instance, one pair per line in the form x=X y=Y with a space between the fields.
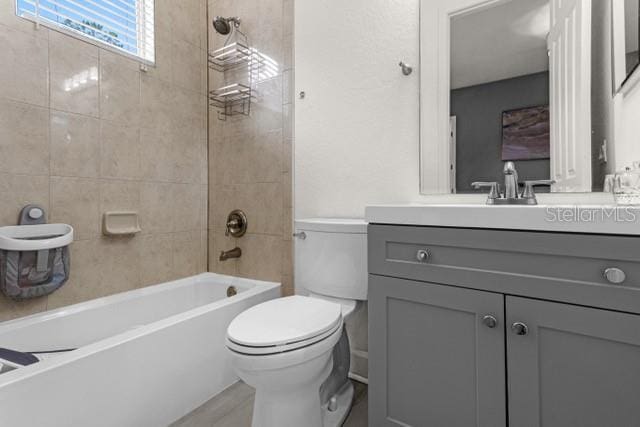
x=555 y=266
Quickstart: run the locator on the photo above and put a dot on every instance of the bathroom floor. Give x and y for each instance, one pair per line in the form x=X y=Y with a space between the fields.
x=234 y=407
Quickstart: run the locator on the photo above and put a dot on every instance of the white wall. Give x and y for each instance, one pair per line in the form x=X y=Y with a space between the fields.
x=357 y=130
x=627 y=148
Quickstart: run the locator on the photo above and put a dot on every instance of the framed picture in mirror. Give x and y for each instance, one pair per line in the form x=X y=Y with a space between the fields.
x=525 y=134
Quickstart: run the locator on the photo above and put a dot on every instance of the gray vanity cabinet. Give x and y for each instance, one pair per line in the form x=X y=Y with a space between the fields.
x=575 y=366
x=488 y=328
x=438 y=355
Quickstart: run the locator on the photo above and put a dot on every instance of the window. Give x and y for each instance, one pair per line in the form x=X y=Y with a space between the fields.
x=125 y=25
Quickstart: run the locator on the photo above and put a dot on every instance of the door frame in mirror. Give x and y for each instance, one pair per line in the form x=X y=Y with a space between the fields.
x=435 y=42
x=623 y=84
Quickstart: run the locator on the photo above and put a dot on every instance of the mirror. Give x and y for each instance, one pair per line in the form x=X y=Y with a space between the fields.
x=524 y=81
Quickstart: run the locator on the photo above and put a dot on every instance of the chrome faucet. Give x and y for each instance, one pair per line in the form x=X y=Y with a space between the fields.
x=233 y=253
x=511 y=196
x=510 y=181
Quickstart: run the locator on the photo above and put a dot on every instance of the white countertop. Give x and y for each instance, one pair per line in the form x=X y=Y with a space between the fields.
x=568 y=218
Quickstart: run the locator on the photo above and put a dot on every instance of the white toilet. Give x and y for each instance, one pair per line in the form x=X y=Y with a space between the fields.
x=294 y=351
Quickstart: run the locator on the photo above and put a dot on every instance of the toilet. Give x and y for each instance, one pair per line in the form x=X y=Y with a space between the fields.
x=295 y=351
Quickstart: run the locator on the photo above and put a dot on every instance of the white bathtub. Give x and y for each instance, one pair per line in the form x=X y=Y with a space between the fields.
x=144 y=358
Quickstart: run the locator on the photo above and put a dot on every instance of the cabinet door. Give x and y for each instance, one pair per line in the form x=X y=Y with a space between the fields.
x=572 y=366
x=432 y=359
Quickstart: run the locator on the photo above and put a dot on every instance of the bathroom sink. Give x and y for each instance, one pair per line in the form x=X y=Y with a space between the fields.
x=579 y=218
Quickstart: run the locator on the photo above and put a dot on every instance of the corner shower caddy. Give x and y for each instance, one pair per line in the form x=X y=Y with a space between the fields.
x=239 y=61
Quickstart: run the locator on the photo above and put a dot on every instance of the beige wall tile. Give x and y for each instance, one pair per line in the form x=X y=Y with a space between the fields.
x=76 y=201
x=156 y=154
x=287 y=286
x=288 y=51
x=270 y=25
x=156 y=259
x=268 y=113
x=204 y=250
x=120 y=151
x=261 y=257
x=288 y=86
x=157 y=101
x=288 y=17
x=156 y=207
x=288 y=117
x=186 y=207
x=187 y=22
x=120 y=265
x=74 y=75
x=185 y=152
x=263 y=204
x=119 y=90
x=101 y=267
x=75 y=145
x=121 y=196
x=18 y=191
x=10 y=309
x=27 y=78
x=287 y=258
x=187 y=66
x=24 y=138
x=186 y=253
x=204 y=206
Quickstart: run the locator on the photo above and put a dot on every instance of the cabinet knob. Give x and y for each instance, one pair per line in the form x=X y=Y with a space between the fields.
x=423 y=255
x=520 y=328
x=615 y=275
x=490 y=321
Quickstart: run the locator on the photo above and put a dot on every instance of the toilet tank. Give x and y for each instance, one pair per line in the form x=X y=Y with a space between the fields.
x=331 y=257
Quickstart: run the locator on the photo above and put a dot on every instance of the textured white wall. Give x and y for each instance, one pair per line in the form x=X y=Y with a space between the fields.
x=627 y=144
x=357 y=130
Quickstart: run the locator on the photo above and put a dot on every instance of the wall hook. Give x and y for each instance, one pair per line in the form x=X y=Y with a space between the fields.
x=406 y=68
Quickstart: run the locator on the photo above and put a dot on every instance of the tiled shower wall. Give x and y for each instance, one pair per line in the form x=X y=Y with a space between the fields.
x=250 y=157
x=129 y=140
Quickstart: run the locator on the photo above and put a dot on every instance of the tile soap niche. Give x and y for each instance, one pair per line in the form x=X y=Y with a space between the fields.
x=239 y=65
x=120 y=224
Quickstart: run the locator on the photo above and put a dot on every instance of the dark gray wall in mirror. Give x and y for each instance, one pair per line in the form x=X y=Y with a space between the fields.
x=478 y=110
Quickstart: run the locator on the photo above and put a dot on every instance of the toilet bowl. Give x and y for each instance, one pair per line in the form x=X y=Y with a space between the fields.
x=294 y=351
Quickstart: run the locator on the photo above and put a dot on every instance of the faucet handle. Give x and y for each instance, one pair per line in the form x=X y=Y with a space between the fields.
x=494 y=191
x=528 y=192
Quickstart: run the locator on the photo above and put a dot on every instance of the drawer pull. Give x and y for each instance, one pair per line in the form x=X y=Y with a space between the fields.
x=423 y=255
x=615 y=275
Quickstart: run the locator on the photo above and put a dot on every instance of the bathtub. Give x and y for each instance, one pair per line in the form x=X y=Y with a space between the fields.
x=144 y=358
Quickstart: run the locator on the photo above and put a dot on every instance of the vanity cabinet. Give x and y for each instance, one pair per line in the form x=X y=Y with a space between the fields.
x=433 y=365
x=575 y=366
x=501 y=328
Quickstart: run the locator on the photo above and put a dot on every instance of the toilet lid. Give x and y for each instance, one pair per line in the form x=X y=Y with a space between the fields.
x=284 y=321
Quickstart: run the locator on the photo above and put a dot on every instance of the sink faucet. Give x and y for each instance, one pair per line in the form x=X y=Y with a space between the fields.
x=511 y=196
x=510 y=181
x=233 y=253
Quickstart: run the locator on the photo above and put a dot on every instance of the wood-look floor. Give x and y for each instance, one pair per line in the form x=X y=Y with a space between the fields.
x=234 y=408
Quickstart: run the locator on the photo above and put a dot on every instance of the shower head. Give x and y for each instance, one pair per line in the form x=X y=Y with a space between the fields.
x=223 y=25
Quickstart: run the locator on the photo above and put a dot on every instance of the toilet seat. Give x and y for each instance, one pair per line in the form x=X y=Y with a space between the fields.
x=283 y=325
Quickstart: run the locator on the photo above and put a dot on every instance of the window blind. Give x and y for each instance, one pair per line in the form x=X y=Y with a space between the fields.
x=126 y=25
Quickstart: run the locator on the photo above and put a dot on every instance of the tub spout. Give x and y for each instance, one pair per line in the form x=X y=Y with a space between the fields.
x=233 y=253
